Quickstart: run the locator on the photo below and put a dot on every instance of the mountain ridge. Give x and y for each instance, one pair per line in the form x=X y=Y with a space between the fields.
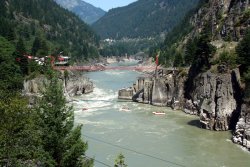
x=139 y=19
x=53 y=26
x=86 y=11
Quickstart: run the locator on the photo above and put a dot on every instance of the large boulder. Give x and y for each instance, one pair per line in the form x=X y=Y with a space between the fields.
x=242 y=132
x=126 y=93
x=77 y=84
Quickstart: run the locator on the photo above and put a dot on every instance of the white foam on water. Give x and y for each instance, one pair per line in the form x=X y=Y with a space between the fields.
x=116 y=73
x=96 y=123
x=101 y=94
x=244 y=149
x=110 y=158
x=155 y=133
x=86 y=113
x=119 y=140
x=100 y=99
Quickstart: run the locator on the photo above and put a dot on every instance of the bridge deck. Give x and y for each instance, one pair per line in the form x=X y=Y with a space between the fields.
x=101 y=68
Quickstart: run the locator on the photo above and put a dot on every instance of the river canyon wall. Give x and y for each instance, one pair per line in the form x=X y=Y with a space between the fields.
x=216 y=98
x=216 y=94
x=74 y=84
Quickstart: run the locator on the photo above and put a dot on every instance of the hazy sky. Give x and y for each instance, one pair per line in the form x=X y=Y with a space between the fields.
x=109 y=4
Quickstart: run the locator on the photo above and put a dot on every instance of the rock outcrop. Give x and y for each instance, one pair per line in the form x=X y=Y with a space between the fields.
x=242 y=132
x=74 y=84
x=77 y=84
x=216 y=98
x=226 y=19
x=126 y=93
x=165 y=90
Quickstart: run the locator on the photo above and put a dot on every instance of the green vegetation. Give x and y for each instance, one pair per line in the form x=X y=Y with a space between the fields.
x=228 y=59
x=10 y=73
x=41 y=135
x=243 y=51
x=119 y=161
x=45 y=28
x=20 y=144
x=55 y=120
x=140 y=26
x=178 y=60
x=143 y=19
x=127 y=46
x=169 y=48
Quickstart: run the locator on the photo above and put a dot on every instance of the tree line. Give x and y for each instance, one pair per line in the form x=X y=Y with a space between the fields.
x=44 y=24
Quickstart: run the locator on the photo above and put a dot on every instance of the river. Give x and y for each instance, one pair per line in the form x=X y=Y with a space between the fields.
x=147 y=140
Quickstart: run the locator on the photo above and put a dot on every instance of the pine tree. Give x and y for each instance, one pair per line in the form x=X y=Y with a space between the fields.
x=119 y=161
x=63 y=143
x=190 y=52
x=36 y=46
x=19 y=138
x=21 y=57
x=178 y=60
x=243 y=50
x=10 y=74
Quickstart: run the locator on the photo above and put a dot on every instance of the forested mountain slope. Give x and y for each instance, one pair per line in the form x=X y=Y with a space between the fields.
x=143 y=18
x=216 y=48
x=87 y=12
x=46 y=28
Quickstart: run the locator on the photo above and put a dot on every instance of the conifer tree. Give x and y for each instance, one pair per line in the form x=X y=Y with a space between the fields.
x=36 y=46
x=243 y=50
x=56 y=120
x=19 y=139
x=21 y=57
x=10 y=75
x=119 y=161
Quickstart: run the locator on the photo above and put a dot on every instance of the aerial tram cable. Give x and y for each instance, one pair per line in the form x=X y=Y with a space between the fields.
x=100 y=162
x=131 y=150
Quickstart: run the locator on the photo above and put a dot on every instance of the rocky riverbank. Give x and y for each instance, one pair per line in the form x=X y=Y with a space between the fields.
x=215 y=97
x=242 y=133
x=74 y=84
x=165 y=90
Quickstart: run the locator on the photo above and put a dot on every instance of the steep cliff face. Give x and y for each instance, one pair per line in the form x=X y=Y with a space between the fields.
x=76 y=84
x=217 y=99
x=166 y=90
x=73 y=85
x=242 y=132
x=226 y=19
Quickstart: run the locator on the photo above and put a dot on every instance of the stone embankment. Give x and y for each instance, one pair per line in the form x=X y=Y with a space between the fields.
x=164 y=90
x=74 y=84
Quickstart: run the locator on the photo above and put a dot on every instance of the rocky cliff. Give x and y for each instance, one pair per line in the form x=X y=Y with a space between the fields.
x=226 y=19
x=216 y=99
x=77 y=84
x=164 y=90
x=213 y=90
x=242 y=132
x=74 y=84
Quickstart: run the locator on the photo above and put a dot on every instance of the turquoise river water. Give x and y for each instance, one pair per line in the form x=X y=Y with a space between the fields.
x=147 y=140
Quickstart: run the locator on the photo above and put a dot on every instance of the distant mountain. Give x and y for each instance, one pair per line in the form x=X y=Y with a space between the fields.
x=84 y=10
x=143 y=18
x=46 y=28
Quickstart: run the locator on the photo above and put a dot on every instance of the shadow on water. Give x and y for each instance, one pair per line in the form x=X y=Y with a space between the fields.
x=195 y=123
